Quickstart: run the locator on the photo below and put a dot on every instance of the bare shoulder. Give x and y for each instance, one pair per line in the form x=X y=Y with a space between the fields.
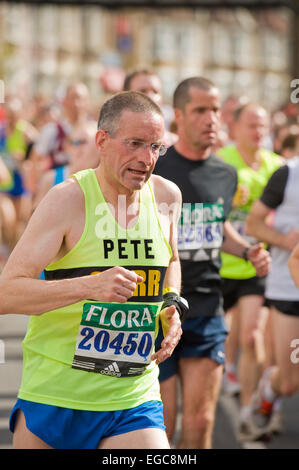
x=165 y=191
x=64 y=199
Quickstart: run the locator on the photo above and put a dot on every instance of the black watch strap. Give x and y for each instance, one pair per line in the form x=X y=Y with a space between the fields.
x=180 y=303
x=245 y=253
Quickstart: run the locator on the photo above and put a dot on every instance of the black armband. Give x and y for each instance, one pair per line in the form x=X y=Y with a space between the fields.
x=180 y=303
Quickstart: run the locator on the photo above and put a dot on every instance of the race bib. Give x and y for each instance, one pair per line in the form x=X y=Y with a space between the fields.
x=237 y=218
x=200 y=231
x=115 y=339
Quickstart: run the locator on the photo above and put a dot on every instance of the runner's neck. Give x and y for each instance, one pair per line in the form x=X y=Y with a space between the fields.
x=252 y=157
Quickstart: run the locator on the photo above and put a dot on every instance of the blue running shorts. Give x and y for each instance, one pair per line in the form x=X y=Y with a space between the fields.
x=18 y=188
x=64 y=428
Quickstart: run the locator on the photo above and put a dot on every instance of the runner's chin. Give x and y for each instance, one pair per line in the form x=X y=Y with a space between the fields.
x=210 y=137
x=137 y=179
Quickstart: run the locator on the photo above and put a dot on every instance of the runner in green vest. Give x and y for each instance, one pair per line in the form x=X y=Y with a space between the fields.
x=107 y=241
x=242 y=289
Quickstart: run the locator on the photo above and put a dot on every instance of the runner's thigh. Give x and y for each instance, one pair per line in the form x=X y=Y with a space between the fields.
x=253 y=316
x=285 y=330
x=25 y=439
x=150 y=438
x=201 y=379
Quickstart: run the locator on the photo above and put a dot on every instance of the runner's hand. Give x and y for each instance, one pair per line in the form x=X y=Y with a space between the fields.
x=172 y=332
x=291 y=239
x=260 y=259
x=116 y=284
x=241 y=195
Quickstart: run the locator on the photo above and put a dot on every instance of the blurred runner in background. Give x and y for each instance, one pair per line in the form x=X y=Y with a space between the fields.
x=282 y=195
x=149 y=83
x=242 y=288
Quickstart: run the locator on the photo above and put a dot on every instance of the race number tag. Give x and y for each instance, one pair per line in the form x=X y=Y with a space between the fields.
x=237 y=218
x=115 y=339
x=200 y=231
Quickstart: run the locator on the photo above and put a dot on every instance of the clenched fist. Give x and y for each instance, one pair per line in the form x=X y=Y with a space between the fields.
x=113 y=285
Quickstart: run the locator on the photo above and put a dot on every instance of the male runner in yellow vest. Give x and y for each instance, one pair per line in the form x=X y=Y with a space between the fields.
x=243 y=290
x=107 y=241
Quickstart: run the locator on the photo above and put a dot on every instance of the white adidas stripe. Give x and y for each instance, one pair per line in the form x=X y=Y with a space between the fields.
x=113 y=367
x=77 y=361
x=85 y=365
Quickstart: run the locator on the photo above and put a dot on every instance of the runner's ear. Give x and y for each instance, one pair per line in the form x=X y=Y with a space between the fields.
x=100 y=137
x=178 y=114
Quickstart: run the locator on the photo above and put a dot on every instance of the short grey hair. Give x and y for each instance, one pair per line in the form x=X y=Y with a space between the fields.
x=113 y=108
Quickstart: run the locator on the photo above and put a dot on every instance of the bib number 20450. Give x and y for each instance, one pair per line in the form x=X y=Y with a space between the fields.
x=121 y=343
x=116 y=339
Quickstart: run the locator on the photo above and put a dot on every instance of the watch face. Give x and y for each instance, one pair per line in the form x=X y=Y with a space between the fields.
x=184 y=302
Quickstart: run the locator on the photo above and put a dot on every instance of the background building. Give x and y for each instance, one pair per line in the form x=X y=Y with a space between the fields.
x=45 y=47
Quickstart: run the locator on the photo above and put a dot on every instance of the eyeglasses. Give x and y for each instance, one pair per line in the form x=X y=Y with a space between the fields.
x=137 y=145
x=78 y=142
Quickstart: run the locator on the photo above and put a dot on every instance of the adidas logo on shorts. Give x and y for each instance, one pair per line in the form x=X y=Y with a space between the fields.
x=112 y=370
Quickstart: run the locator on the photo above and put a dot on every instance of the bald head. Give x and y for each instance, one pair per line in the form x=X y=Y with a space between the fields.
x=76 y=101
x=228 y=108
x=145 y=81
x=252 y=124
x=76 y=88
x=249 y=108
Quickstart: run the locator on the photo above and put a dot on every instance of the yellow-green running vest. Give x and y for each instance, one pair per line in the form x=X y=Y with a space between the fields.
x=96 y=355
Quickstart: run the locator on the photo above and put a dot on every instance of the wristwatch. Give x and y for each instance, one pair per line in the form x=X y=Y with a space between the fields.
x=180 y=303
x=245 y=253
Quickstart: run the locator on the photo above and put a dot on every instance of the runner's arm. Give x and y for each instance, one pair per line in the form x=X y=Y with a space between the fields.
x=293 y=263
x=272 y=197
x=20 y=289
x=173 y=273
x=44 y=144
x=21 y=292
x=169 y=316
x=45 y=184
x=235 y=245
x=169 y=203
x=257 y=226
